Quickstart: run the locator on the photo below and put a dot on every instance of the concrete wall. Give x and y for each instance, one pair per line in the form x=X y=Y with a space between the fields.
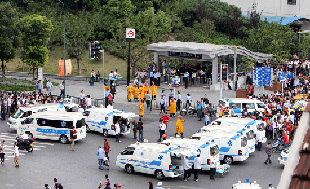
x=274 y=7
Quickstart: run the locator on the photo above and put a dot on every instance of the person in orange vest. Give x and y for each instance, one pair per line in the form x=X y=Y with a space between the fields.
x=141 y=90
x=146 y=89
x=141 y=108
x=129 y=92
x=135 y=92
x=172 y=107
x=154 y=91
x=179 y=126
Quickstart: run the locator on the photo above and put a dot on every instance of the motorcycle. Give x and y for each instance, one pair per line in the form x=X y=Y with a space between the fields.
x=190 y=111
x=24 y=144
x=278 y=146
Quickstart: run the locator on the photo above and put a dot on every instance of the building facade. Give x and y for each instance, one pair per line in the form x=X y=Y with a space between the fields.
x=284 y=8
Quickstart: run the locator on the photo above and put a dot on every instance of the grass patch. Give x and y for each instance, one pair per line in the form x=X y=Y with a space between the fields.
x=87 y=65
x=11 y=84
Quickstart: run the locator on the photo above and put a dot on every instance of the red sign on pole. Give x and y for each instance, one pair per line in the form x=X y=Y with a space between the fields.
x=175 y=85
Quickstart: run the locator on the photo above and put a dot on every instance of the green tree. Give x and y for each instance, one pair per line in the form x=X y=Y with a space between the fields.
x=205 y=26
x=79 y=29
x=36 y=32
x=304 y=44
x=272 y=38
x=8 y=33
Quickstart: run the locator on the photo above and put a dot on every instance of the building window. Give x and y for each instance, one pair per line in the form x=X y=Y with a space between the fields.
x=291 y=2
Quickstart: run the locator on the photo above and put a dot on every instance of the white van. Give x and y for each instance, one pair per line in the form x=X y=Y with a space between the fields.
x=240 y=103
x=251 y=124
x=54 y=126
x=236 y=129
x=23 y=112
x=102 y=120
x=154 y=158
x=233 y=147
x=204 y=148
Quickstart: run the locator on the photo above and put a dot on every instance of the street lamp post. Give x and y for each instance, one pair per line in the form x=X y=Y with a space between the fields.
x=63 y=5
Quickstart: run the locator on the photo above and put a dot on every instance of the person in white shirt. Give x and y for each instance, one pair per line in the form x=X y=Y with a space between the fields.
x=270 y=186
x=188 y=100
x=212 y=166
x=117 y=131
x=2 y=151
x=179 y=100
x=16 y=155
x=187 y=168
x=88 y=101
x=62 y=89
x=162 y=130
x=25 y=136
x=80 y=109
x=197 y=167
x=111 y=77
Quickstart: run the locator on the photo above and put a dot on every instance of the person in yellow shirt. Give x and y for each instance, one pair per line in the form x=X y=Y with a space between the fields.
x=172 y=107
x=221 y=113
x=141 y=108
x=135 y=92
x=146 y=89
x=179 y=126
x=141 y=91
x=129 y=92
x=154 y=91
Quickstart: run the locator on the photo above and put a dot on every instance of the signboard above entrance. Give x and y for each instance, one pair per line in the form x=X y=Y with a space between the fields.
x=185 y=55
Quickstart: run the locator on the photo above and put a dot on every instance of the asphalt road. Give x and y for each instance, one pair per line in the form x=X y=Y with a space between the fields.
x=79 y=169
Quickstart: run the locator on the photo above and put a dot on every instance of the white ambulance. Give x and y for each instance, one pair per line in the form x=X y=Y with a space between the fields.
x=160 y=160
x=102 y=120
x=54 y=126
x=232 y=147
x=241 y=103
x=23 y=112
x=236 y=129
x=254 y=125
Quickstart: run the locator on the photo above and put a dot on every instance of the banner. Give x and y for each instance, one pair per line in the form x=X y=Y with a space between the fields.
x=68 y=67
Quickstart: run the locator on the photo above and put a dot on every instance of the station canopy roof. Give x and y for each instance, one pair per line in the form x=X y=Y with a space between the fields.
x=205 y=51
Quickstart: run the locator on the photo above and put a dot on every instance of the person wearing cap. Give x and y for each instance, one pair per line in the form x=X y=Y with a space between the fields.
x=2 y=151
x=141 y=91
x=100 y=154
x=179 y=126
x=135 y=92
x=179 y=100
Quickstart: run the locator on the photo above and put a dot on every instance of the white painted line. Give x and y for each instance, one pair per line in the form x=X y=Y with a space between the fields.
x=36 y=149
x=39 y=146
x=45 y=143
x=189 y=187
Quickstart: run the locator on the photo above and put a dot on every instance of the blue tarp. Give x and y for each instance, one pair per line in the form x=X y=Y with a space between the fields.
x=278 y=19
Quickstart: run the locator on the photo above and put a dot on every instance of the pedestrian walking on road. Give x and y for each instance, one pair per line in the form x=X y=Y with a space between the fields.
x=141 y=108
x=187 y=168
x=154 y=91
x=165 y=118
x=259 y=138
x=106 y=184
x=57 y=185
x=179 y=126
x=73 y=136
x=129 y=92
x=140 y=128
x=100 y=154
x=162 y=130
x=162 y=104
x=117 y=131
x=62 y=90
x=270 y=186
x=268 y=150
x=107 y=148
x=179 y=101
x=212 y=166
x=172 y=107
x=135 y=129
x=197 y=167
x=16 y=155
x=2 y=151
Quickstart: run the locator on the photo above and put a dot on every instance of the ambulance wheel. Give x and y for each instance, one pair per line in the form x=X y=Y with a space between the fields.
x=159 y=175
x=105 y=133
x=63 y=139
x=129 y=169
x=228 y=160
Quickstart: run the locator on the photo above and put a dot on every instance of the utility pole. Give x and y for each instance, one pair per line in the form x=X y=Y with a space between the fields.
x=130 y=36
x=235 y=68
